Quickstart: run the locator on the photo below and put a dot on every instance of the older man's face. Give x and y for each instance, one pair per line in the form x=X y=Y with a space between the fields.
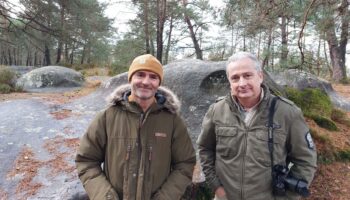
x=245 y=80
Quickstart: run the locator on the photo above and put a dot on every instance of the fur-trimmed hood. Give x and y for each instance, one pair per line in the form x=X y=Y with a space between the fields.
x=164 y=96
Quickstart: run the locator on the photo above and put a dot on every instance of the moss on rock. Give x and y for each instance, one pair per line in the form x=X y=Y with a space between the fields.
x=315 y=104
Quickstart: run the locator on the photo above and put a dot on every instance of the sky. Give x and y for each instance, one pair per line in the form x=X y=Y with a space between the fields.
x=123 y=10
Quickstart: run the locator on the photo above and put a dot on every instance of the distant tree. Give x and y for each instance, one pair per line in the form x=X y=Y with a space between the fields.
x=333 y=18
x=70 y=28
x=194 y=13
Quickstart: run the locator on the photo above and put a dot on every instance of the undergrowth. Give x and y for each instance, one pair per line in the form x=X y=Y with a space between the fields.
x=315 y=104
x=7 y=81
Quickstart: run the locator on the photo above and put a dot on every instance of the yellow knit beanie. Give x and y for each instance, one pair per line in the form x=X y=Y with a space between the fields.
x=146 y=62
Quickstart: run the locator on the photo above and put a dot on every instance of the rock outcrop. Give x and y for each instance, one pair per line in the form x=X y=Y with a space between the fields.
x=301 y=80
x=50 y=77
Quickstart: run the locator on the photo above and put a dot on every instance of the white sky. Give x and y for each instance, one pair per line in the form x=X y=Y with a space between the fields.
x=123 y=10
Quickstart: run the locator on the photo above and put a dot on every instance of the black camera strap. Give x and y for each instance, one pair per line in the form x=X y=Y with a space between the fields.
x=270 y=129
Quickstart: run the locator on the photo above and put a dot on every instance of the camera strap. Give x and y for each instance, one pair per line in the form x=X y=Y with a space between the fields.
x=270 y=128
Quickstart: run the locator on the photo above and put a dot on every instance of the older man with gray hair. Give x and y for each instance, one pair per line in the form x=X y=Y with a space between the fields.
x=253 y=144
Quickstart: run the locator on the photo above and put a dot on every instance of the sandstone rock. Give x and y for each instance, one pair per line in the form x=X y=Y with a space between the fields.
x=301 y=80
x=50 y=77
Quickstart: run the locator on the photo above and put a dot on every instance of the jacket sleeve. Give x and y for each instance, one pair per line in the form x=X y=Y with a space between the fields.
x=301 y=148
x=207 y=147
x=89 y=158
x=183 y=159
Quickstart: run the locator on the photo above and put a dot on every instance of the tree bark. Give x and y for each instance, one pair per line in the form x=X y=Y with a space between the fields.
x=269 y=41
x=83 y=55
x=345 y=18
x=199 y=52
x=161 y=9
x=166 y=58
x=60 y=39
x=146 y=26
x=337 y=50
x=284 y=37
x=10 y=56
x=334 y=52
x=47 y=56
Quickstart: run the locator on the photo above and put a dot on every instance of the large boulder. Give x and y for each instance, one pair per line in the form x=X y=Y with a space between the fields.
x=300 y=80
x=50 y=77
x=197 y=83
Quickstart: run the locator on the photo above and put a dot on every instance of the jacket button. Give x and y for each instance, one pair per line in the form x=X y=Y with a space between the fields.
x=134 y=175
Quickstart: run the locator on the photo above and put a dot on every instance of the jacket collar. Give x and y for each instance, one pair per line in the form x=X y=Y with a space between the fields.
x=165 y=97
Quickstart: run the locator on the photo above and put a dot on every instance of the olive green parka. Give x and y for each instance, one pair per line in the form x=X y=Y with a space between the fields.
x=236 y=156
x=134 y=155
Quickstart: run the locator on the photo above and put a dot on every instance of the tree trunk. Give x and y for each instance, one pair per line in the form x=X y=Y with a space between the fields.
x=146 y=26
x=244 y=44
x=35 y=58
x=83 y=55
x=269 y=40
x=60 y=39
x=284 y=37
x=71 y=56
x=345 y=16
x=10 y=56
x=166 y=59
x=335 y=56
x=199 y=52
x=161 y=9
x=47 y=56
x=66 y=52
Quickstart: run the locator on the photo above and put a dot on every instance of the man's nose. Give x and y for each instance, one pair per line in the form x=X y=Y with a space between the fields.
x=146 y=80
x=242 y=81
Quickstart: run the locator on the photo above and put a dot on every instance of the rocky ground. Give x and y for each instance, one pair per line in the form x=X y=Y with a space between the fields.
x=332 y=181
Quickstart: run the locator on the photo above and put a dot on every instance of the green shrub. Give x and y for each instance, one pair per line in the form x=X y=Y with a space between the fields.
x=7 y=76
x=324 y=139
x=315 y=104
x=344 y=155
x=324 y=122
x=340 y=117
x=118 y=69
x=326 y=152
x=4 y=88
x=311 y=101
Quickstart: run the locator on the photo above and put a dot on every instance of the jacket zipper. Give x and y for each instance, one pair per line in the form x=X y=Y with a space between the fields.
x=247 y=127
x=126 y=179
x=149 y=162
x=139 y=153
x=243 y=163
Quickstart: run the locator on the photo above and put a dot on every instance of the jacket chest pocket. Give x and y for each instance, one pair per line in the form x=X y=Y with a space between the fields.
x=260 y=150
x=226 y=141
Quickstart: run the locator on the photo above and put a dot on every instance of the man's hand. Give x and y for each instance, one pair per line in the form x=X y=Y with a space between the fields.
x=220 y=193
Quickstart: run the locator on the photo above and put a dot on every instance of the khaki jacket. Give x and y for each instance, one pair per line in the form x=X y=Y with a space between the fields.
x=143 y=155
x=236 y=156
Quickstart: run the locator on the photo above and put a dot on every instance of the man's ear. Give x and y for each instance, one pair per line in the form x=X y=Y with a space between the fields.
x=261 y=75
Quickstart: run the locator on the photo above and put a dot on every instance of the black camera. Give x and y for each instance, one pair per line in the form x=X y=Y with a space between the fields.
x=281 y=181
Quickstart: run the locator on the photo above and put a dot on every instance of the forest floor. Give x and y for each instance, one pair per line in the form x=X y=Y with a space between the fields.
x=332 y=180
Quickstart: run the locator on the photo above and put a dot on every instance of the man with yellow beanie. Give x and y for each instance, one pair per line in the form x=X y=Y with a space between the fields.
x=138 y=148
